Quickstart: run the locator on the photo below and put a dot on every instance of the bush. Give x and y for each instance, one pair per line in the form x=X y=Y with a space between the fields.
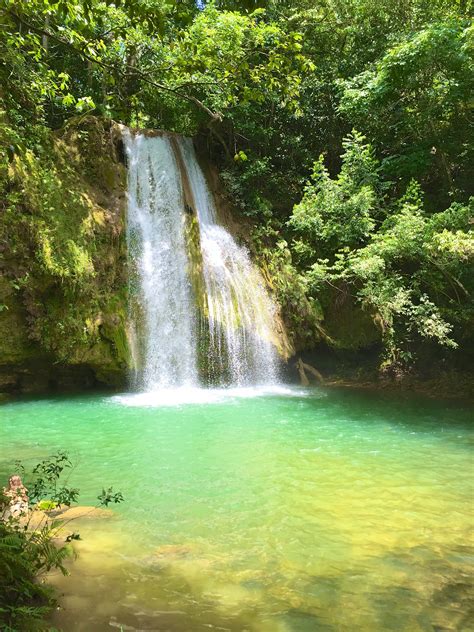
x=29 y=551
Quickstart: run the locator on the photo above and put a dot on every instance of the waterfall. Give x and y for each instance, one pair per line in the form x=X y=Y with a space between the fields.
x=228 y=331
x=240 y=313
x=159 y=262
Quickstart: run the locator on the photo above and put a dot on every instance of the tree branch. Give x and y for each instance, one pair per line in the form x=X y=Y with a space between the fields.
x=215 y=116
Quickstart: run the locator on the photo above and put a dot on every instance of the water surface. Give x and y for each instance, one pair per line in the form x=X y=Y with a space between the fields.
x=286 y=511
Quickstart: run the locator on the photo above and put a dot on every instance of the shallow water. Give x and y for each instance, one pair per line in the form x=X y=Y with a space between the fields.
x=286 y=510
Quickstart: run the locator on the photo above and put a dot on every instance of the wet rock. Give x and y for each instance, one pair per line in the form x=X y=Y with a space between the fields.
x=37 y=519
x=45 y=343
x=73 y=513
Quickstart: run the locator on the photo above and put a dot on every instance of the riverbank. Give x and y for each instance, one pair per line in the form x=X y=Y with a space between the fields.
x=360 y=370
x=448 y=385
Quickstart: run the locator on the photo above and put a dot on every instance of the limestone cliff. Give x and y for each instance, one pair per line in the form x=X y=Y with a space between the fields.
x=64 y=286
x=63 y=261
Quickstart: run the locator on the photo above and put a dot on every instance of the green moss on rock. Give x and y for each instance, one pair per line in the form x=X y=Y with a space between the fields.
x=63 y=293
x=14 y=343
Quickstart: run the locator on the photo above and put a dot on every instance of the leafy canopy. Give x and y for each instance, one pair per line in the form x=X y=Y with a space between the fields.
x=412 y=270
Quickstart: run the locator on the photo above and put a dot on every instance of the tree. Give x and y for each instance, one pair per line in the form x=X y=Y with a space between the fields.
x=415 y=103
x=411 y=270
x=93 y=54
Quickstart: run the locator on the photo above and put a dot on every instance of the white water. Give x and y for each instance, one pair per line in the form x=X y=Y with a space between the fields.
x=159 y=262
x=184 y=396
x=240 y=313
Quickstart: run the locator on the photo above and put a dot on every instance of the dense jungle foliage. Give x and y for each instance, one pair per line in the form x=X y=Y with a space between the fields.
x=342 y=129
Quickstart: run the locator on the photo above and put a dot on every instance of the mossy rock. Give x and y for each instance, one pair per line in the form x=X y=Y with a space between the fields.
x=15 y=346
x=62 y=297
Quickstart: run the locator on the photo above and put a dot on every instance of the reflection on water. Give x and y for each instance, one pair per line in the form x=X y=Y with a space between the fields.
x=324 y=511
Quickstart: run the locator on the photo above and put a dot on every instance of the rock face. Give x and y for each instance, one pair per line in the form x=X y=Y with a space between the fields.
x=63 y=261
x=63 y=287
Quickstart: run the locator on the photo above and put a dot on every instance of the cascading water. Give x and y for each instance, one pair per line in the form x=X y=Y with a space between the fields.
x=240 y=313
x=159 y=262
x=165 y=183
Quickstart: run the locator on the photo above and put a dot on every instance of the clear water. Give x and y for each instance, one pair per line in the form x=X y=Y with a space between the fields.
x=283 y=511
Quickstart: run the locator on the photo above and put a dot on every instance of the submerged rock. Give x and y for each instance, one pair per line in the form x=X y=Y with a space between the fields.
x=173 y=551
x=38 y=519
x=73 y=513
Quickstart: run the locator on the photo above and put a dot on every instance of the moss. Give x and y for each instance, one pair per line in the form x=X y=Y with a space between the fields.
x=114 y=329
x=193 y=244
x=15 y=346
x=63 y=224
x=300 y=319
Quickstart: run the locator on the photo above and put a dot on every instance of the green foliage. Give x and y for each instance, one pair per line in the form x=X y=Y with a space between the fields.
x=243 y=187
x=417 y=101
x=27 y=553
x=246 y=58
x=46 y=481
x=301 y=312
x=340 y=212
x=413 y=272
x=402 y=74
x=108 y=496
x=24 y=556
x=268 y=86
x=107 y=56
x=47 y=505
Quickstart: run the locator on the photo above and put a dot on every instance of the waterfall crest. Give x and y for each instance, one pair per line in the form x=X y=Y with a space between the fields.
x=228 y=331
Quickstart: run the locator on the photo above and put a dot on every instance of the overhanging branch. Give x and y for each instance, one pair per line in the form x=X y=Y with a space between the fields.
x=215 y=116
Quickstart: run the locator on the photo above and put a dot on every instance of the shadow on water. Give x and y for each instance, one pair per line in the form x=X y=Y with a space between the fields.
x=409 y=410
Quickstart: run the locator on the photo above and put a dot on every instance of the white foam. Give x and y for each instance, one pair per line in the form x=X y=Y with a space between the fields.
x=190 y=395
